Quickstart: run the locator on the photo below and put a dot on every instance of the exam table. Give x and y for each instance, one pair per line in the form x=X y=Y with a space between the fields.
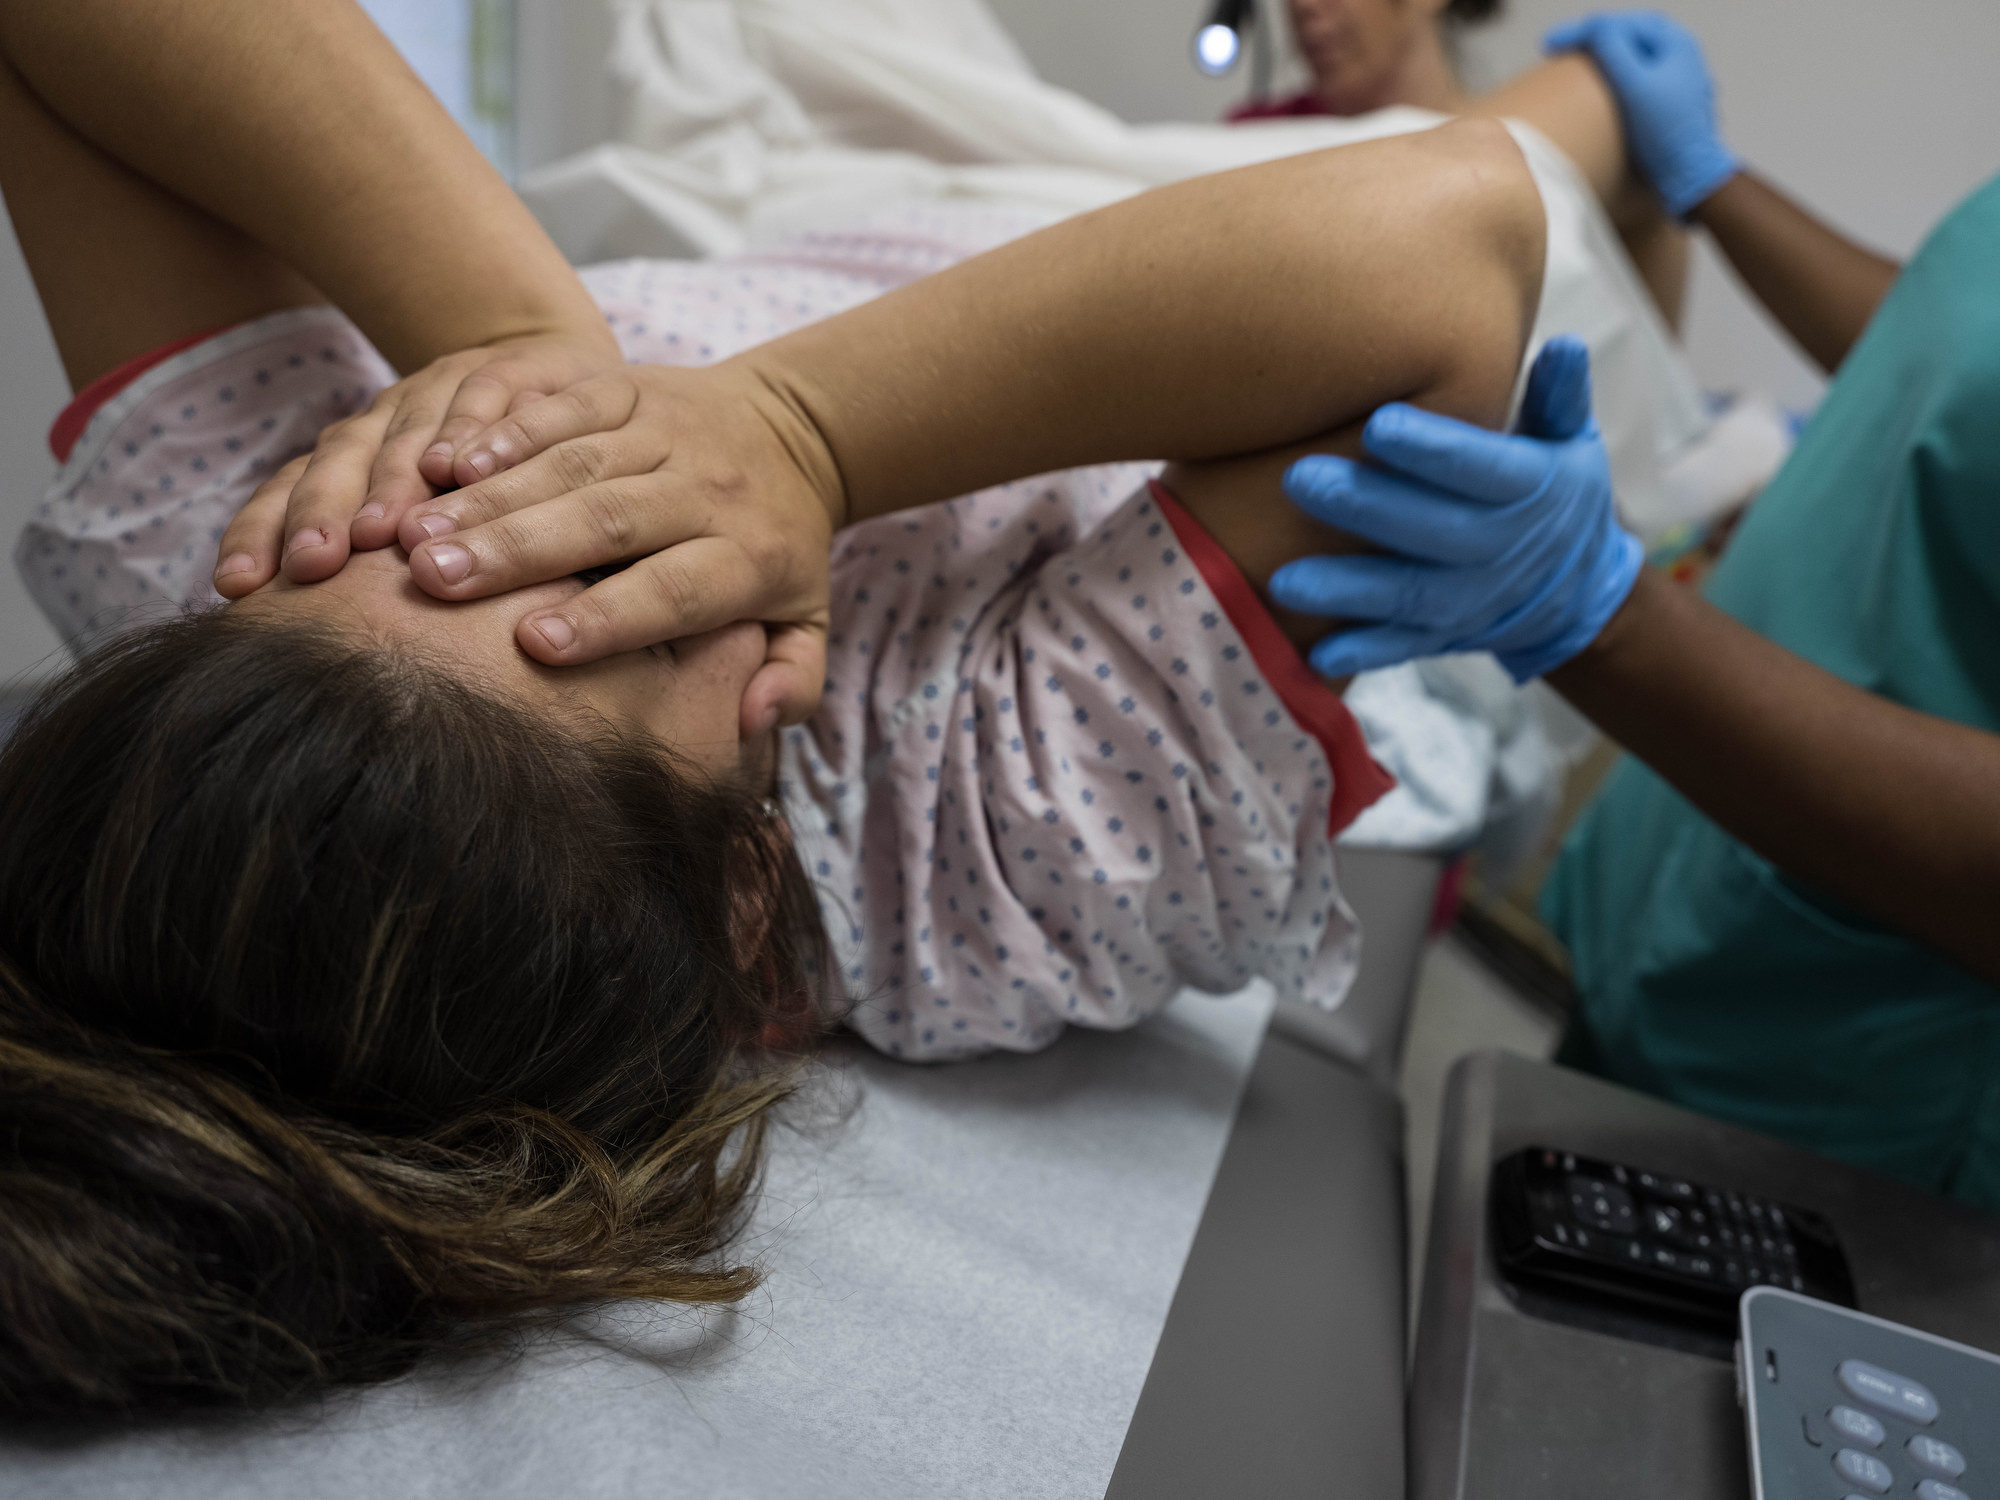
x=1167 y=1262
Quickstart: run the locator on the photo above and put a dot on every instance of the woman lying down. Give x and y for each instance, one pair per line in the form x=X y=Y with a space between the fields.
x=419 y=942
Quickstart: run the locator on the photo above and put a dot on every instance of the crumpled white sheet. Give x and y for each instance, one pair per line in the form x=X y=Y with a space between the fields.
x=746 y=121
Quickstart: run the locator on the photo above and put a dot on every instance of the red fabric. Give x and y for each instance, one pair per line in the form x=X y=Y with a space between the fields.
x=1358 y=782
x=1450 y=896
x=87 y=402
x=1307 y=103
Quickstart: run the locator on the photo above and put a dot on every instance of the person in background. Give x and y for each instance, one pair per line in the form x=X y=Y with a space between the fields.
x=1372 y=54
x=1367 y=55
x=1780 y=910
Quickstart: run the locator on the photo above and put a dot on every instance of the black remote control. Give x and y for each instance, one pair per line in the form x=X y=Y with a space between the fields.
x=1642 y=1236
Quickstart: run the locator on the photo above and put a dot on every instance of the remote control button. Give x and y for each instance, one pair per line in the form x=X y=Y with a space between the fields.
x=1602 y=1205
x=1864 y=1469
x=1699 y=1265
x=1935 y=1489
x=1858 y=1427
x=1732 y=1272
x=1935 y=1456
x=1898 y=1395
x=1663 y=1221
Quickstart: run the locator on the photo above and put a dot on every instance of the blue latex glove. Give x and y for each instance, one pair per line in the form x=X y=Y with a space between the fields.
x=1656 y=68
x=1501 y=544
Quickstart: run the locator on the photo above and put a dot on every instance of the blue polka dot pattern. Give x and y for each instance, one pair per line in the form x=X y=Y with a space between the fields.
x=1048 y=782
x=129 y=530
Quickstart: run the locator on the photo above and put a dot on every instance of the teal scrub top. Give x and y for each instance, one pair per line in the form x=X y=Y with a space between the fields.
x=1707 y=975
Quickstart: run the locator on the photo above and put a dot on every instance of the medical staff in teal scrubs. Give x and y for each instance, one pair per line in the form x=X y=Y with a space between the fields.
x=1786 y=910
x=1708 y=974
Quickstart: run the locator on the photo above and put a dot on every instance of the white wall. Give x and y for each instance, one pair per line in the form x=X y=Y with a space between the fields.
x=1132 y=56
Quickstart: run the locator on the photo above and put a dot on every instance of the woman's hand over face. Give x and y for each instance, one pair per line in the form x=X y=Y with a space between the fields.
x=352 y=490
x=718 y=494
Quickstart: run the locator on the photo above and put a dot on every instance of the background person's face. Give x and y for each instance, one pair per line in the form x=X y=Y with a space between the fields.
x=1359 y=49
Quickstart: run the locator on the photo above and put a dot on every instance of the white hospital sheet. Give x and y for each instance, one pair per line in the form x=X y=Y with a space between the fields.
x=968 y=1275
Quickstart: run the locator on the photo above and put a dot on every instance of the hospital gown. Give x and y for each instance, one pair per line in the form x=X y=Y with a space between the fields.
x=1065 y=765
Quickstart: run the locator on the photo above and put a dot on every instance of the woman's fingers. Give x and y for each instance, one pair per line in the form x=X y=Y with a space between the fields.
x=582 y=527
x=698 y=586
x=590 y=406
x=325 y=501
x=254 y=539
x=395 y=480
x=787 y=688
x=562 y=471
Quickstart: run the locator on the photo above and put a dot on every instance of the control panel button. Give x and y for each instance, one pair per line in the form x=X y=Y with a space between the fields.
x=1864 y=1469
x=1858 y=1427
x=1898 y=1395
x=1602 y=1205
x=1934 y=1456
x=1937 y=1489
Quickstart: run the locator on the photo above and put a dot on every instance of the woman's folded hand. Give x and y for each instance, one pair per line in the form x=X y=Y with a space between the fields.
x=714 y=489
x=365 y=472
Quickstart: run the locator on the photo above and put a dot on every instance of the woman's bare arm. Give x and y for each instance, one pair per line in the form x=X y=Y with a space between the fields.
x=1245 y=313
x=295 y=122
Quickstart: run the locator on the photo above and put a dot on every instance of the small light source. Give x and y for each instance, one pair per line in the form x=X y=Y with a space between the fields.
x=1216 y=48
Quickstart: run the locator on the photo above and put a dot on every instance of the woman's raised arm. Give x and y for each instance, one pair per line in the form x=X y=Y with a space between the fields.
x=296 y=123
x=1222 y=316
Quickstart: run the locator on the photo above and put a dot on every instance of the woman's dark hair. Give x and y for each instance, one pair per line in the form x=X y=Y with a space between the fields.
x=344 y=1009
x=1470 y=12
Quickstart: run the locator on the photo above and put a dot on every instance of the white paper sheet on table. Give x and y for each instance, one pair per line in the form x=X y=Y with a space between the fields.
x=968 y=1276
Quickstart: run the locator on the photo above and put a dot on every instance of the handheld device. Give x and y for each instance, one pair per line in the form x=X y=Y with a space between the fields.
x=1640 y=1236
x=1841 y=1403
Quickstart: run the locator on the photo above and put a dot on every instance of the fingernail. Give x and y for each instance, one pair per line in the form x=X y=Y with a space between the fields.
x=557 y=631
x=438 y=450
x=311 y=536
x=373 y=511
x=451 y=561
x=436 y=526
x=236 y=562
x=480 y=463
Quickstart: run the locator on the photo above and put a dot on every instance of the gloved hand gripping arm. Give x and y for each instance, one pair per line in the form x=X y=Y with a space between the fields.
x=1508 y=544
x=1820 y=285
